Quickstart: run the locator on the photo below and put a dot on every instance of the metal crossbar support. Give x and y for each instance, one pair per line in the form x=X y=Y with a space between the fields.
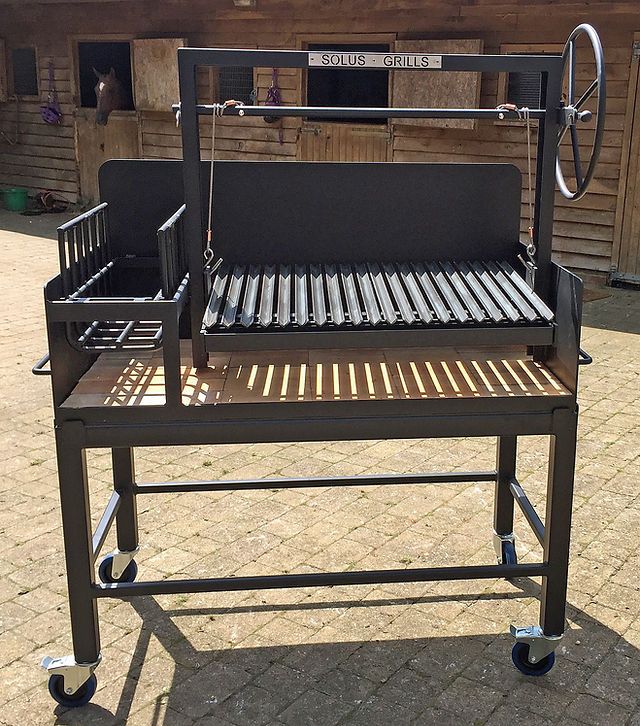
x=318 y=579
x=344 y=481
x=104 y=525
x=527 y=510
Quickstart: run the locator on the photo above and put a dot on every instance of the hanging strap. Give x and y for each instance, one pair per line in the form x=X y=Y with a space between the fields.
x=218 y=110
x=274 y=98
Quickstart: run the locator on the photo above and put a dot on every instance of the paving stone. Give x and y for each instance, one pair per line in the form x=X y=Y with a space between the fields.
x=314 y=708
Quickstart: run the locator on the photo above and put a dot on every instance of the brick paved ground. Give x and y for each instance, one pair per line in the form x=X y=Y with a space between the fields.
x=434 y=653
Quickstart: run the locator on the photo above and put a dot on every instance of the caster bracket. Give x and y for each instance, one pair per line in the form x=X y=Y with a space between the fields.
x=498 y=540
x=120 y=561
x=73 y=674
x=540 y=645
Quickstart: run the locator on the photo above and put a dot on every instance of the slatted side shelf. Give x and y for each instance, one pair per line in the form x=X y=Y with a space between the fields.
x=319 y=375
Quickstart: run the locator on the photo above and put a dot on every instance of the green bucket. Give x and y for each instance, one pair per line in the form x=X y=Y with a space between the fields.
x=16 y=199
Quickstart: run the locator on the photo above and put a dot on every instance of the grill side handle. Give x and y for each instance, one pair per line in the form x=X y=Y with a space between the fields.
x=39 y=368
x=584 y=359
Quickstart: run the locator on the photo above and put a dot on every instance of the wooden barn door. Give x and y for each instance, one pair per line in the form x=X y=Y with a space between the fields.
x=119 y=138
x=343 y=142
x=95 y=144
x=626 y=259
x=153 y=75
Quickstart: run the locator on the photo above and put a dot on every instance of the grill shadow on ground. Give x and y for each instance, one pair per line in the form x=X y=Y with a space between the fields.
x=392 y=680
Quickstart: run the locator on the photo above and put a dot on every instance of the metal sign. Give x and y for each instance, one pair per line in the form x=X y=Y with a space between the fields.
x=384 y=61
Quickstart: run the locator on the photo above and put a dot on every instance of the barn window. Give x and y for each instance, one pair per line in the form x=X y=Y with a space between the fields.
x=236 y=83
x=104 y=55
x=523 y=89
x=345 y=87
x=25 y=71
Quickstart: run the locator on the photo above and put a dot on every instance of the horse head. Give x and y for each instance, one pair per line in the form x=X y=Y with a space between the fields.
x=109 y=96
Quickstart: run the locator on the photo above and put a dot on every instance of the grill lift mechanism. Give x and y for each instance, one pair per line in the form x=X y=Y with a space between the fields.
x=387 y=301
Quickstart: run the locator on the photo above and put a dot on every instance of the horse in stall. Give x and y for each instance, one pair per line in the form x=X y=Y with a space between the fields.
x=110 y=96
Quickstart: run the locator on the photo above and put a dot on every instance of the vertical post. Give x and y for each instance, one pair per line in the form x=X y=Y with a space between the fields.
x=123 y=483
x=562 y=453
x=193 y=217
x=546 y=176
x=78 y=547
x=503 y=503
x=171 y=357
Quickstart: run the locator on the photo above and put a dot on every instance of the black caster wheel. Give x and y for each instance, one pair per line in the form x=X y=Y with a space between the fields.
x=104 y=571
x=520 y=658
x=80 y=698
x=509 y=554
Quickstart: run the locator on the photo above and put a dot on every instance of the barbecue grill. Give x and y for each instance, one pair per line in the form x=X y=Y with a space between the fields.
x=208 y=302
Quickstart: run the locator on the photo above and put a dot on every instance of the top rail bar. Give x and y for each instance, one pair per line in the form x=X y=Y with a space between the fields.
x=81 y=217
x=364 y=112
x=300 y=59
x=173 y=218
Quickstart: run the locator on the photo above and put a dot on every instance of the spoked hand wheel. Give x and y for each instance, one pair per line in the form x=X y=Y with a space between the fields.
x=574 y=111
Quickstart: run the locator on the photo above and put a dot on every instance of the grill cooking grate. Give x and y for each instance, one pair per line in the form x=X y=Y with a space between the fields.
x=371 y=294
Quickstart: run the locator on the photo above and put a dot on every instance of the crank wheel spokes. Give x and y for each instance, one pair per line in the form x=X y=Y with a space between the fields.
x=573 y=112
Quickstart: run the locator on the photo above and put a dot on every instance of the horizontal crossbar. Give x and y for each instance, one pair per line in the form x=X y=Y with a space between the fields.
x=527 y=509
x=332 y=481
x=222 y=57
x=318 y=579
x=318 y=112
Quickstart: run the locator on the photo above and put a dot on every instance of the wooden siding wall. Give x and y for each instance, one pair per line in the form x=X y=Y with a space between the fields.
x=45 y=158
x=583 y=232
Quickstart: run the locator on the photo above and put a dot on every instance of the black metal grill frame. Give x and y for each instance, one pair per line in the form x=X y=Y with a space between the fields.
x=122 y=429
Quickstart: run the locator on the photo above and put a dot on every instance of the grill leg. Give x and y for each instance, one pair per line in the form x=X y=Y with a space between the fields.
x=506 y=467
x=76 y=525
x=171 y=360
x=558 y=522
x=123 y=482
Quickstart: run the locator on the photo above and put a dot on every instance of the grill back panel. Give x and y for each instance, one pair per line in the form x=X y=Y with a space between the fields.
x=275 y=212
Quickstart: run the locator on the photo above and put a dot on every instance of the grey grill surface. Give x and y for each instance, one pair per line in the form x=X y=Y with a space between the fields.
x=371 y=294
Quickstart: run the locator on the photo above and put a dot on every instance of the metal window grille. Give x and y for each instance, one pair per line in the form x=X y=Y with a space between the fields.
x=236 y=82
x=523 y=89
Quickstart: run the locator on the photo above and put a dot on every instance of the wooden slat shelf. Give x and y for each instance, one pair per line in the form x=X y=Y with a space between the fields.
x=117 y=380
